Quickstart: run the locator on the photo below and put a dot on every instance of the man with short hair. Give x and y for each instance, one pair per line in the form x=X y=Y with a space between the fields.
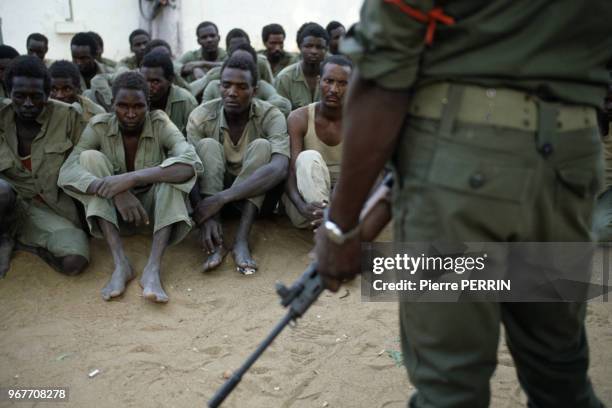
x=197 y=62
x=273 y=37
x=108 y=63
x=36 y=135
x=299 y=82
x=316 y=146
x=138 y=42
x=244 y=146
x=177 y=102
x=136 y=164
x=336 y=31
x=65 y=87
x=95 y=77
x=237 y=36
x=7 y=54
x=37 y=46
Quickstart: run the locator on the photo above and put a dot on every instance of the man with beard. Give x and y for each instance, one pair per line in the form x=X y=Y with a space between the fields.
x=7 y=54
x=36 y=135
x=178 y=103
x=65 y=87
x=336 y=31
x=138 y=42
x=273 y=37
x=244 y=146
x=197 y=62
x=316 y=146
x=136 y=164
x=299 y=82
x=95 y=77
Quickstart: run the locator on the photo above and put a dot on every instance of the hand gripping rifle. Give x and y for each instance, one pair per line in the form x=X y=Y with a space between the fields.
x=299 y=297
x=307 y=288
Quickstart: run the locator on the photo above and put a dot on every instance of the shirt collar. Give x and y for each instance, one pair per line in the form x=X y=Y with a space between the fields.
x=253 y=113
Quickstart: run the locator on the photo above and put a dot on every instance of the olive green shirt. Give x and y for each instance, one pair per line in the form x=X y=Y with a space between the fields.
x=287 y=59
x=100 y=86
x=196 y=55
x=554 y=49
x=128 y=62
x=3 y=92
x=265 y=92
x=109 y=63
x=61 y=127
x=161 y=144
x=87 y=108
x=265 y=121
x=291 y=83
x=179 y=106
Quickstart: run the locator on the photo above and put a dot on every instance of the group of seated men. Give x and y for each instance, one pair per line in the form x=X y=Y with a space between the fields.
x=97 y=148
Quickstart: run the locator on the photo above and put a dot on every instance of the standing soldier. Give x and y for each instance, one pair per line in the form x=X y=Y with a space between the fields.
x=487 y=110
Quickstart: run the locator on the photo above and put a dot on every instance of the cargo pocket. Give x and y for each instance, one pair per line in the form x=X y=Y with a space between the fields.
x=583 y=177
x=48 y=172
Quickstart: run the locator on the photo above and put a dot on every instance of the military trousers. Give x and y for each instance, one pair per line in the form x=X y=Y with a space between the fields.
x=164 y=204
x=458 y=182
x=216 y=177
x=313 y=184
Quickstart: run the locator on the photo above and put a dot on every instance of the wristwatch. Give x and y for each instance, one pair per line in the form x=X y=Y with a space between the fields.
x=335 y=233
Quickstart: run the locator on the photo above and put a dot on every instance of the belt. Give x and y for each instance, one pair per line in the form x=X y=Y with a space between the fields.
x=503 y=107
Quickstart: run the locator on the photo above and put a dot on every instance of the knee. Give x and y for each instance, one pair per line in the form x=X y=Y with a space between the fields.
x=91 y=159
x=308 y=157
x=261 y=148
x=207 y=146
x=73 y=264
x=7 y=196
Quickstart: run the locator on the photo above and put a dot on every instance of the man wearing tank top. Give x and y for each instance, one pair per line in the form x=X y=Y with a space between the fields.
x=316 y=146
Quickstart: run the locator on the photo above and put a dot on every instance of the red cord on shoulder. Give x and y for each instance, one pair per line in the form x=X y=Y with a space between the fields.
x=432 y=18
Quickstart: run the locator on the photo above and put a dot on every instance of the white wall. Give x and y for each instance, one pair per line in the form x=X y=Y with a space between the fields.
x=115 y=19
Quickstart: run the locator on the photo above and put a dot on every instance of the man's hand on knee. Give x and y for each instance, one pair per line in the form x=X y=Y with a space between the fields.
x=130 y=208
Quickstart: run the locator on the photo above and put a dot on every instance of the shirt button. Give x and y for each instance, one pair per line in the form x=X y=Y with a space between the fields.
x=546 y=149
x=476 y=180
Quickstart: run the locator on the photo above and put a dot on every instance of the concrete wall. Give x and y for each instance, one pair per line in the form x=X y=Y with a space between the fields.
x=115 y=19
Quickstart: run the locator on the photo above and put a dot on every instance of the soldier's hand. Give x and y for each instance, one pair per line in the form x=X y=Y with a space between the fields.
x=208 y=208
x=211 y=235
x=113 y=185
x=337 y=263
x=313 y=212
x=130 y=208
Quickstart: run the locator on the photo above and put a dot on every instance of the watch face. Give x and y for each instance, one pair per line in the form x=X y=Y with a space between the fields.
x=333 y=232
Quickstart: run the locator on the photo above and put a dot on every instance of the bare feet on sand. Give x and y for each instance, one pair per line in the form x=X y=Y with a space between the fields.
x=214 y=259
x=151 y=285
x=245 y=263
x=122 y=274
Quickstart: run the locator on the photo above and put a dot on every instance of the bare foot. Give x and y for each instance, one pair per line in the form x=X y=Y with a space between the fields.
x=6 y=249
x=122 y=274
x=151 y=285
x=214 y=259
x=245 y=263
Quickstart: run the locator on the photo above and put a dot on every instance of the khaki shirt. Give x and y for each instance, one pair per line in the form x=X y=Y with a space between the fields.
x=265 y=92
x=87 y=108
x=127 y=62
x=60 y=131
x=291 y=83
x=265 y=121
x=108 y=63
x=196 y=55
x=161 y=144
x=287 y=59
x=178 y=107
x=100 y=85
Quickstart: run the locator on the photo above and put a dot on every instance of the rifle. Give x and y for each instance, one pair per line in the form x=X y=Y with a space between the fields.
x=307 y=288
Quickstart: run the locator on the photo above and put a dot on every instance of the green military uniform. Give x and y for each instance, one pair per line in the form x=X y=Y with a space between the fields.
x=100 y=153
x=602 y=218
x=179 y=105
x=287 y=59
x=110 y=64
x=196 y=55
x=3 y=92
x=87 y=108
x=44 y=216
x=227 y=163
x=99 y=90
x=501 y=143
x=265 y=92
x=130 y=64
x=291 y=83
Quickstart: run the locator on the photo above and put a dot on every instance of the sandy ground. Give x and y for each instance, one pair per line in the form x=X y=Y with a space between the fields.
x=54 y=330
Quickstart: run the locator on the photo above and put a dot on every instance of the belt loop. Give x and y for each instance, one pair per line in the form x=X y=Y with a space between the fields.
x=450 y=109
x=546 y=127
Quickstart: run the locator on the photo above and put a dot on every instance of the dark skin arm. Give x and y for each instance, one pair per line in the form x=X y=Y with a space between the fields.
x=297 y=125
x=372 y=122
x=261 y=181
x=190 y=66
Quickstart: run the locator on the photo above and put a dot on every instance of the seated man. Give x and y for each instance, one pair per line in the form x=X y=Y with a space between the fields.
x=65 y=87
x=244 y=146
x=7 y=54
x=37 y=46
x=136 y=164
x=336 y=31
x=299 y=82
x=138 y=42
x=197 y=62
x=36 y=135
x=178 y=103
x=316 y=146
x=95 y=77
x=109 y=64
x=237 y=36
x=264 y=91
x=273 y=37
